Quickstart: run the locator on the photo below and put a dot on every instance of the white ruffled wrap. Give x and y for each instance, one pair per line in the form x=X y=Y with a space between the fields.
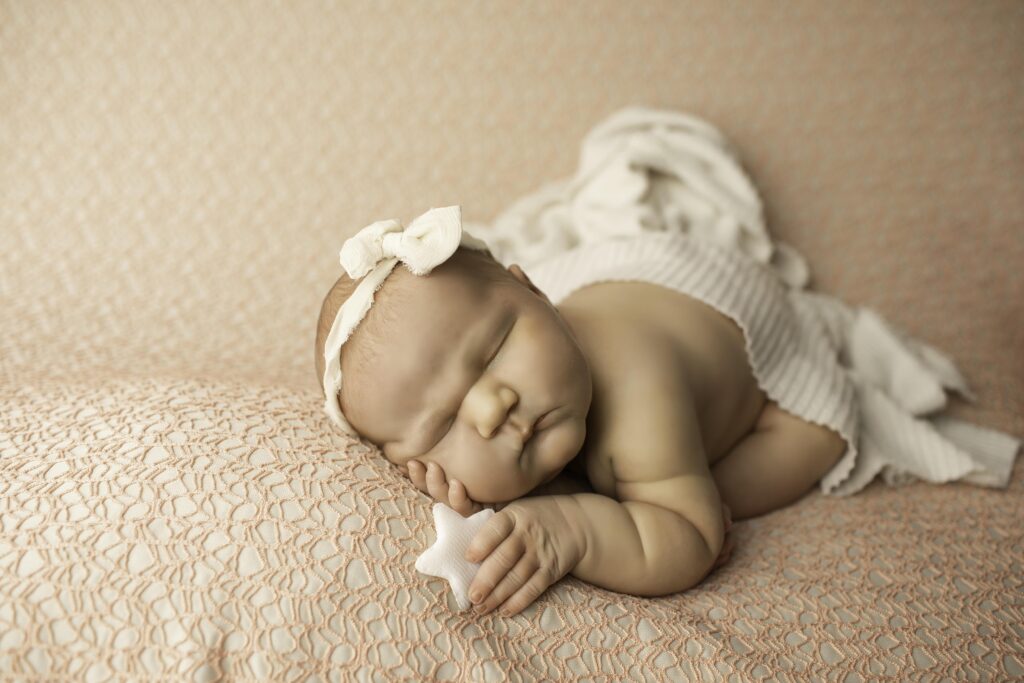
x=373 y=252
x=644 y=169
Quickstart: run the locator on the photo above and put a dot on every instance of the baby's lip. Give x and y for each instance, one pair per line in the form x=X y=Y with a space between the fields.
x=541 y=422
x=533 y=428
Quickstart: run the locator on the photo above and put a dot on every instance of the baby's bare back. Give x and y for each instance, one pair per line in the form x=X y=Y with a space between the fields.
x=638 y=334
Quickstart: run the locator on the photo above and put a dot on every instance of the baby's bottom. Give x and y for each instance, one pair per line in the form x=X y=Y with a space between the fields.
x=774 y=465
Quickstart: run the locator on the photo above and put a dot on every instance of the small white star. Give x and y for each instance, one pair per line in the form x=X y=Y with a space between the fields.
x=446 y=558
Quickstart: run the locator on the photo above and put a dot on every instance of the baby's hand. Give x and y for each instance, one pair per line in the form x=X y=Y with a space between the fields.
x=522 y=550
x=432 y=481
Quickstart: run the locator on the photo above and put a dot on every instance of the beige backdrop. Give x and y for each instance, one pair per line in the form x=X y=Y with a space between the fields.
x=888 y=143
x=142 y=141
x=176 y=179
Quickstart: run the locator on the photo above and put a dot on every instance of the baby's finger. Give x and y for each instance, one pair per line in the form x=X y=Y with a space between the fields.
x=513 y=581
x=436 y=483
x=494 y=570
x=460 y=500
x=482 y=549
x=525 y=596
x=417 y=473
x=493 y=532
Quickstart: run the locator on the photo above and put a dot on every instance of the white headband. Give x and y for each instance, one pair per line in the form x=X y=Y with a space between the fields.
x=428 y=242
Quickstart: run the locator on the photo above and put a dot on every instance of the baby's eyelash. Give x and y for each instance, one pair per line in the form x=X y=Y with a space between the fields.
x=495 y=354
x=501 y=344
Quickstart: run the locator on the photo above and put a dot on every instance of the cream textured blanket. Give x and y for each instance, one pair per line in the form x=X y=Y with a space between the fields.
x=661 y=172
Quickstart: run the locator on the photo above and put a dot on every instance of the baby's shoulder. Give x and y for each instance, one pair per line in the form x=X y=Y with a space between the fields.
x=639 y=378
x=630 y=357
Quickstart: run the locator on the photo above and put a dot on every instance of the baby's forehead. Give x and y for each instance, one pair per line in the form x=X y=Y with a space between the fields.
x=439 y=314
x=430 y=324
x=447 y=293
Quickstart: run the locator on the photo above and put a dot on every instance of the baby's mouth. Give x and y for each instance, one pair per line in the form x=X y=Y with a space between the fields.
x=539 y=425
x=522 y=448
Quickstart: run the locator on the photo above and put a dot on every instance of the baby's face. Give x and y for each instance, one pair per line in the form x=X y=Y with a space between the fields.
x=469 y=366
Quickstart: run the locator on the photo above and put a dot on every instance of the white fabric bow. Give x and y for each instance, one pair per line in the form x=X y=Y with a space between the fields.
x=373 y=252
x=427 y=242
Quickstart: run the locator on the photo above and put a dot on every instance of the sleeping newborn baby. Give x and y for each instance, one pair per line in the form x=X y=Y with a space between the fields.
x=612 y=433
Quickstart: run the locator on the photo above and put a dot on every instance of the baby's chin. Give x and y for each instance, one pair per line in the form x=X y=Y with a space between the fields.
x=517 y=494
x=553 y=475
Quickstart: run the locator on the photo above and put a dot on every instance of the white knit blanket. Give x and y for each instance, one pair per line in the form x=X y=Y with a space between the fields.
x=645 y=169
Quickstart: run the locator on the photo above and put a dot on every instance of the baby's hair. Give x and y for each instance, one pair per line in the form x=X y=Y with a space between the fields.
x=380 y=318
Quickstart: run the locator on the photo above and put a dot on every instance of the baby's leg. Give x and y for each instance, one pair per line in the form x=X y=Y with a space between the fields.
x=776 y=463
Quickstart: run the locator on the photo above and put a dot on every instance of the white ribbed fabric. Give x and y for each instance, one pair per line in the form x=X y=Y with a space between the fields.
x=661 y=196
x=795 y=339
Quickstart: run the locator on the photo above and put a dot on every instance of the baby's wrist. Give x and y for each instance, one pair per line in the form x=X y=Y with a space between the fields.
x=573 y=524
x=563 y=518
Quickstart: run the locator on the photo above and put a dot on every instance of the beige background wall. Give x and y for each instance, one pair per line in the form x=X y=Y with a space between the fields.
x=142 y=143
x=176 y=179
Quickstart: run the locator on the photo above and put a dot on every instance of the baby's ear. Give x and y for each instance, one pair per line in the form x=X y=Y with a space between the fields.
x=520 y=275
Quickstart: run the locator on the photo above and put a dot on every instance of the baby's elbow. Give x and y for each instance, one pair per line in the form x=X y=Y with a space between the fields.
x=703 y=546
x=709 y=523
x=685 y=574
x=677 y=555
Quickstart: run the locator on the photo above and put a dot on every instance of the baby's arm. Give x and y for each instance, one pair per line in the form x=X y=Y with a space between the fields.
x=666 y=528
x=638 y=548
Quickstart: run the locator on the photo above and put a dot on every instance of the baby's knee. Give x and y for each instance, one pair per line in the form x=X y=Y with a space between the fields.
x=825 y=444
x=808 y=447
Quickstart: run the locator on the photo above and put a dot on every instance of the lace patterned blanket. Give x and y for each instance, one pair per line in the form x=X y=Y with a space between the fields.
x=174 y=504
